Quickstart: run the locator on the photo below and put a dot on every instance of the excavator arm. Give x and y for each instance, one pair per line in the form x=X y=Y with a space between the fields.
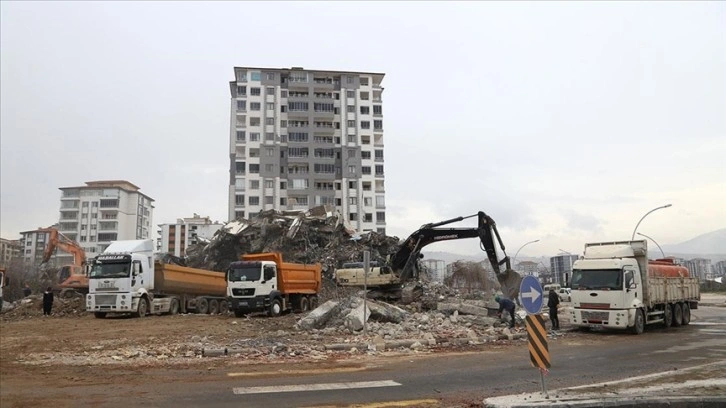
x=70 y=276
x=404 y=261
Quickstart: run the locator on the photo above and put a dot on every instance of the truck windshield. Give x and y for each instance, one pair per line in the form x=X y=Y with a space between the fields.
x=597 y=279
x=244 y=274
x=102 y=270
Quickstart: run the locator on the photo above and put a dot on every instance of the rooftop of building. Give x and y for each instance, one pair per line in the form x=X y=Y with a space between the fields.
x=120 y=184
x=320 y=71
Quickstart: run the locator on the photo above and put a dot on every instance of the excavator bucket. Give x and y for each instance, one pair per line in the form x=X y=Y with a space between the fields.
x=510 y=281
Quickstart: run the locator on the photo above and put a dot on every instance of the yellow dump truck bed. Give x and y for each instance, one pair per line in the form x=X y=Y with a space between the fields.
x=175 y=279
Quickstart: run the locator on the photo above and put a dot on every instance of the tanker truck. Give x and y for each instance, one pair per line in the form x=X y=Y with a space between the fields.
x=264 y=283
x=615 y=286
x=126 y=279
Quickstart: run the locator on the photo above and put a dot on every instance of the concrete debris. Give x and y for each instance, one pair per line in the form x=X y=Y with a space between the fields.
x=319 y=235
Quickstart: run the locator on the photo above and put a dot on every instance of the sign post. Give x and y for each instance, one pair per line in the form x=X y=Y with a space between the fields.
x=531 y=294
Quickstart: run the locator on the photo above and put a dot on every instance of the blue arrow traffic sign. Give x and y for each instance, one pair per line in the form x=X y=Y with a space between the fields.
x=530 y=293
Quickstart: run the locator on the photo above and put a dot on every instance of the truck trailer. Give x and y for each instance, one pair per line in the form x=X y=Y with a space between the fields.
x=264 y=283
x=126 y=279
x=616 y=286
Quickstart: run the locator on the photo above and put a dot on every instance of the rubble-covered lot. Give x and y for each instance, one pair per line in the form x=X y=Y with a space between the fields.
x=73 y=337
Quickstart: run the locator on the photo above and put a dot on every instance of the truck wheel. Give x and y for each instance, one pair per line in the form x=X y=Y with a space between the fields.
x=639 y=324
x=213 y=306
x=304 y=304
x=313 y=302
x=202 y=305
x=174 y=307
x=223 y=306
x=686 y=313
x=677 y=314
x=143 y=308
x=100 y=315
x=667 y=316
x=275 y=308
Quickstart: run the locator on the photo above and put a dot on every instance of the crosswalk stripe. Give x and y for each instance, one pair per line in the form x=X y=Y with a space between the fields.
x=314 y=387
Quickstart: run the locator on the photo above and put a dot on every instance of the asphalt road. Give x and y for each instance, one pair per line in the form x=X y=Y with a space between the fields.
x=454 y=380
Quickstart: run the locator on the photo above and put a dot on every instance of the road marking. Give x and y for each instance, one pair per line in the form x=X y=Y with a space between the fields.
x=278 y=372
x=314 y=387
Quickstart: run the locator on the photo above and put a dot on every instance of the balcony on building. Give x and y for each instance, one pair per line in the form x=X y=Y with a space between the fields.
x=108 y=203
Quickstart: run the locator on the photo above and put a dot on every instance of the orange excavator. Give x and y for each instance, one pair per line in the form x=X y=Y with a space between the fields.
x=73 y=277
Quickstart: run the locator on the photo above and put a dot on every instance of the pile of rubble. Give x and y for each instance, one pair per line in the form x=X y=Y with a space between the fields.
x=32 y=306
x=319 y=235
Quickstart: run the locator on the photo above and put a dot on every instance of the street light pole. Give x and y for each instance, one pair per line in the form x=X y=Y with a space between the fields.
x=520 y=248
x=661 y=249
x=646 y=214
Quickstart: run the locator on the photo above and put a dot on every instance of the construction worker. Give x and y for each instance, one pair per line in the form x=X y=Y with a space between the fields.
x=47 y=301
x=553 y=302
x=508 y=305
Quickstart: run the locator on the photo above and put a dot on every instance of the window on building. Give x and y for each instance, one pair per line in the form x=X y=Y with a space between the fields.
x=254 y=200
x=365 y=155
x=297 y=137
x=269 y=200
x=365 y=170
x=254 y=168
x=254 y=136
x=380 y=216
x=269 y=167
x=270 y=106
x=353 y=200
x=365 y=110
x=378 y=125
x=350 y=94
x=270 y=151
x=241 y=135
x=364 y=81
x=380 y=201
x=241 y=105
x=368 y=201
x=239 y=184
x=364 y=124
x=283 y=201
x=349 y=79
x=352 y=139
x=241 y=91
x=255 y=106
x=299 y=184
x=254 y=152
x=352 y=170
x=353 y=216
x=350 y=108
x=377 y=110
x=379 y=154
x=255 y=91
x=297 y=152
x=239 y=167
x=254 y=184
x=239 y=199
x=379 y=170
x=270 y=121
x=283 y=93
x=366 y=186
x=367 y=217
x=297 y=106
x=324 y=168
x=239 y=214
x=351 y=123
x=254 y=121
x=283 y=185
x=255 y=76
x=270 y=136
x=364 y=96
x=269 y=184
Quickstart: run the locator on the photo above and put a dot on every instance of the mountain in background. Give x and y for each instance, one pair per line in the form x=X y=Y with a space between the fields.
x=711 y=245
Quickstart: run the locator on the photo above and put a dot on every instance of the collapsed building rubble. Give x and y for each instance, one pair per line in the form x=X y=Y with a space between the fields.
x=319 y=235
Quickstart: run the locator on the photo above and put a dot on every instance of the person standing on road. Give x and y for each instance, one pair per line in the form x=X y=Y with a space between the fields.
x=47 y=301
x=508 y=305
x=552 y=303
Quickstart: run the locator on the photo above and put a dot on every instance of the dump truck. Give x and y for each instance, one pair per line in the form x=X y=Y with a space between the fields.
x=264 y=283
x=125 y=278
x=616 y=286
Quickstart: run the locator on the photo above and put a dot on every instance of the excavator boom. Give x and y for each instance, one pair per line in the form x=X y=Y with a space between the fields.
x=71 y=276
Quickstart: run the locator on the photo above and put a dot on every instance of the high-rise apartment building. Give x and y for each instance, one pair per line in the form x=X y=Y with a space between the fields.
x=33 y=244
x=103 y=211
x=175 y=238
x=302 y=138
x=9 y=251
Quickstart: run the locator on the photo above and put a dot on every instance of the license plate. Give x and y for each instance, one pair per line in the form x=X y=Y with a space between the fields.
x=243 y=303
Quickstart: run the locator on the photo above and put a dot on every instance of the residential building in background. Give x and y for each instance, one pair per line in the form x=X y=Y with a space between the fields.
x=302 y=138
x=527 y=268
x=700 y=268
x=436 y=267
x=32 y=245
x=561 y=269
x=175 y=238
x=103 y=211
x=9 y=250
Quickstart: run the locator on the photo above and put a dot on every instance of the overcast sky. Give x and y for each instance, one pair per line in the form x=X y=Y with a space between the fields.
x=565 y=122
